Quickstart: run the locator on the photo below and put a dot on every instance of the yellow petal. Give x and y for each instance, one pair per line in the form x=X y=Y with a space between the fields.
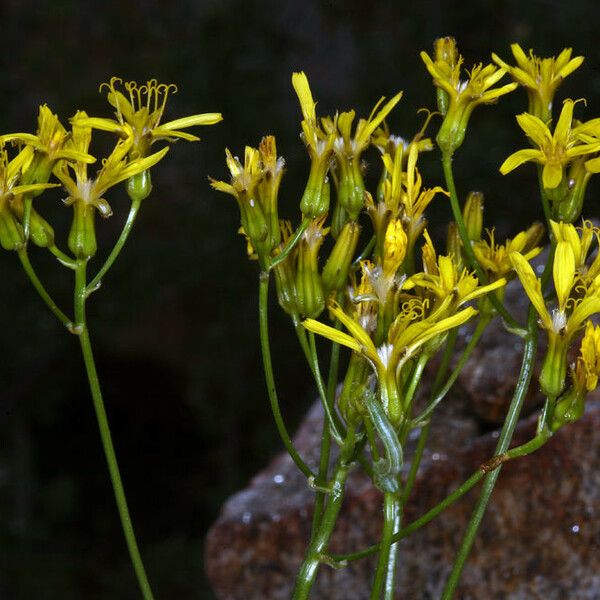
x=192 y=120
x=333 y=334
x=307 y=104
x=532 y=286
x=518 y=158
x=552 y=175
x=535 y=129
x=563 y=272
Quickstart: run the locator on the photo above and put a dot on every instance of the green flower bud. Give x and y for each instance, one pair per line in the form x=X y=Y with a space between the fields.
x=139 y=186
x=569 y=408
x=473 y=215
x=11 y=231
x=351 y=189
x=82 y=236
x=335 y=272
x=554 y=369
x=315 y=199
x=41 y=232
x=446 y=52
x=310 y=296
x=569 y=208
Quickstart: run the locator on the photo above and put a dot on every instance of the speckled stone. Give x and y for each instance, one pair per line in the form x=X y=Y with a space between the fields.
x=539 y=539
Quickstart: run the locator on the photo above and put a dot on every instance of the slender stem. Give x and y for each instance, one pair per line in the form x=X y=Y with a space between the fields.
x=107 y=444
x=290 y=245
x=503 y=444
x=97 y=280
x=333 y=421
x=421 y=521
x=390 y=577
x=439 y=396
x=63 y=258
x=387 y=554
x=464 y=236
x=365 y=252
x=424 y=434
x=326 y=435
x=263 y=310
x=41 y=290
x=318 y=545
x=544 y=198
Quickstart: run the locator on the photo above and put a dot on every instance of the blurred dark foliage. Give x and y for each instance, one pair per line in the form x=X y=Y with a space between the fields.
x=175 y=323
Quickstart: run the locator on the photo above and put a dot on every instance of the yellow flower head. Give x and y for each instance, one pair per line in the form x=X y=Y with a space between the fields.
x=444 y=279
x=587 y=368
x=139 y=115
x=462 y=96
x=554 y=150
x=115 y=168
x=394 y=247
x=577 y=293
x=540 y=76
x=495 y=258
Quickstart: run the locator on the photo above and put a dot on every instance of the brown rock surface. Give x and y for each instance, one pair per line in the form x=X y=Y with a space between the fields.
x=540 y=538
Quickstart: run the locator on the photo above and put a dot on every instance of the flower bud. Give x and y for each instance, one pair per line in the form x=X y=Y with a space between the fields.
x=473 y=215
x=335 y=272
x=445 y=52
x=11 y=231
x=41 y=232
x=315 y=199
x=310 y=296
x=139 y=186
x=554 y=369
x=351 y=189
x=569 y=408
x=569 y=208
x=82 y=236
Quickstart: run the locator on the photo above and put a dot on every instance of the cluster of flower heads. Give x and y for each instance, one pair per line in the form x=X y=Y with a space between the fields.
x=395 y=314
x=55 y=153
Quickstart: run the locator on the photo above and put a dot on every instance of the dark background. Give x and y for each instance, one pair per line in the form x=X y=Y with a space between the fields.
x=175 y=324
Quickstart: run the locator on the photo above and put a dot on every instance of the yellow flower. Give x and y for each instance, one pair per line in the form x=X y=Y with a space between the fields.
x=554 y=151
x=494 y=258
x=587 y=369
x=11 y=189
x=406 y=336
x=255 y=186
x=578 y=298
x=540 y=76
x=86 y=194
x=394 y=247
x=462 y=95
x=315 y=199
x=348 y=149
x=445 y=280
x=140 y=115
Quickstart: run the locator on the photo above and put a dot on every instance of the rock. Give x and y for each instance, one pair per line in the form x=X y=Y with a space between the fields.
x=539 y=538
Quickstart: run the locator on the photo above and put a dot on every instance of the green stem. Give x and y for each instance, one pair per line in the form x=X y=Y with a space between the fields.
x=63 y=258
x=41 y=290
x=263 y=311
x=290 y=245
x=107 y=444
x=503 y=444
x=318 y=545
x=424 y=434
x=365 y=252
x=464 y=236
x=97 y=280
x=421 y=521
x=326 y=435
x=386 y=564
x=439 y=396
x=332 y=418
